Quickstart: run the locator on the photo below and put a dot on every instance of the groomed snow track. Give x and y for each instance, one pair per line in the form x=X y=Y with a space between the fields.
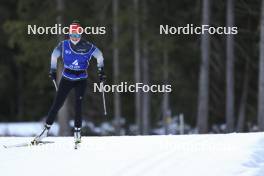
x=186 y=155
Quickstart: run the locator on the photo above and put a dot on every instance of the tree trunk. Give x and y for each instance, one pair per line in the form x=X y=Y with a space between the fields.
x=20 y=93
x=117 y=105
x=166 y=113
x=261 y=74
x=243 y=101
x=146 y=95
x=145 y=74
x=230 y=69
x=63 y=114
x=203 y=92
x=137 y=67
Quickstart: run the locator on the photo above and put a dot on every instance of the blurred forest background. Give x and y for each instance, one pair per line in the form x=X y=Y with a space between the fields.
x=217 y=80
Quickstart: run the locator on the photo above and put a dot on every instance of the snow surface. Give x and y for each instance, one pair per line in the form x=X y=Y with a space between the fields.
x=184 y=155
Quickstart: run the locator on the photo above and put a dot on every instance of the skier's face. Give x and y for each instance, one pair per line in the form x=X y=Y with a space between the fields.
x=75 y=37
x=75 y=33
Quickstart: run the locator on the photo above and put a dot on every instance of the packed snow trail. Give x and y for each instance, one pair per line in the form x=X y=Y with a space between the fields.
x=186 y=155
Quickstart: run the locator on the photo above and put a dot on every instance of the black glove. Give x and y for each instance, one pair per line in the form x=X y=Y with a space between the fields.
x=101 y=74
x=52 y=74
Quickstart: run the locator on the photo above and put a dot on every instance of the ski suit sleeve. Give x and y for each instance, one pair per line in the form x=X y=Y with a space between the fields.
x=99 y=57
x=57 y=52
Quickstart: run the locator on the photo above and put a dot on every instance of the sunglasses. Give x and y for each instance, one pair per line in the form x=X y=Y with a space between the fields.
x=75 y=35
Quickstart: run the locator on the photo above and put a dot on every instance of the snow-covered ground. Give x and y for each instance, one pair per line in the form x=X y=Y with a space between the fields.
x=185 y=155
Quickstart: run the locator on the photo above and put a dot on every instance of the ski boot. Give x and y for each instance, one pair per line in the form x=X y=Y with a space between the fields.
x=43 y=134
x=77 y=137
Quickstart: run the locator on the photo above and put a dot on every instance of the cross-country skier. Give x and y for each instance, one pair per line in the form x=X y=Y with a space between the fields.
x=76 y=54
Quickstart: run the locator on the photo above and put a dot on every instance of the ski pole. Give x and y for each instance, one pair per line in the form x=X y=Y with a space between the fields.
x=103 y=96
x=55 y=85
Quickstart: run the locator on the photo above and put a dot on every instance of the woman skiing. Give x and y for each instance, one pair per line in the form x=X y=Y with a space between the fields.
x=76 y=54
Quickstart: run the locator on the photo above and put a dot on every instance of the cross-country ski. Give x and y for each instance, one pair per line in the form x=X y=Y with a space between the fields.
x=27 y=144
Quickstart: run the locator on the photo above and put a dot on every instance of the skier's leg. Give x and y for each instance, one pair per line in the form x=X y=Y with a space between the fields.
x=64 y=88
x=79 y=94
x=80 y=88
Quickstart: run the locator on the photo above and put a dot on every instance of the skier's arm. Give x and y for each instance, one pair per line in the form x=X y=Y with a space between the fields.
x=100 y=64
x=99 y=57
x=54 y=57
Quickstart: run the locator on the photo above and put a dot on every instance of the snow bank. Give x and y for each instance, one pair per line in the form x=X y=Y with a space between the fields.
x=185 y=155
x=25 y=129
